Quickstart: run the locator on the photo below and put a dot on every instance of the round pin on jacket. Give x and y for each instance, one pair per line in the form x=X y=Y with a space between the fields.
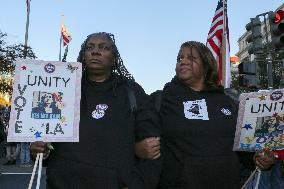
x=99 y=112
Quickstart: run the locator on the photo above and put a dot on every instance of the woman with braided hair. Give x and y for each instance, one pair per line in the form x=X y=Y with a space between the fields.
x=109 y=127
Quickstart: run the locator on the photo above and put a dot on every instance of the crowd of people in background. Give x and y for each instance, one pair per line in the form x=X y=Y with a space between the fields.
x=15 y=153
x=5 y=113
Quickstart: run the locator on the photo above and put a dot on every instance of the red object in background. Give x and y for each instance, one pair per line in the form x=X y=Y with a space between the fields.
x=280 y=154
x=279 y=15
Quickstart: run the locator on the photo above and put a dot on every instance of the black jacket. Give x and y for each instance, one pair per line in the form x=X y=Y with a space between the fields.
x=105 y=158
x=198 y=131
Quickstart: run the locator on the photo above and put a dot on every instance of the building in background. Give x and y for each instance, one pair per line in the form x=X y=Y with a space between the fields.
x=251 y=70
x=243 y=44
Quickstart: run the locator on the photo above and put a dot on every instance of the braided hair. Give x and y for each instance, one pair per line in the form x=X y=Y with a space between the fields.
x=118 y=69
x=211 y=78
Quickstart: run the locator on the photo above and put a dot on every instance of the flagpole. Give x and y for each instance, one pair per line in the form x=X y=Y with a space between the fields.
x=224 y=47
x=27 y=30
x=59 y=59
x=60 y=46
x=65 y=54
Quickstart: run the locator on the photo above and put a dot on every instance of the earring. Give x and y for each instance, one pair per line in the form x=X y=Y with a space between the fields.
x=84 y=68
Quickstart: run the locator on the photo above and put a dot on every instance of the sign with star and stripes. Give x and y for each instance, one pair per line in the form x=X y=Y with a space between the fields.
x=45 y=101
x=260 y=123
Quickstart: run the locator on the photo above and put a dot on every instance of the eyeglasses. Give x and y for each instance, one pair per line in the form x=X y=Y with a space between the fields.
x=101 y=47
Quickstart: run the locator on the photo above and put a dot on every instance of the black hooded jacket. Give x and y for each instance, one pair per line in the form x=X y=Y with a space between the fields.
x=105 y=158
x=198 y=131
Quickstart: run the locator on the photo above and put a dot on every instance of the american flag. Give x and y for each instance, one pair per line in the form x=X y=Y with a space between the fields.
x=65 y=35
x=218 y=42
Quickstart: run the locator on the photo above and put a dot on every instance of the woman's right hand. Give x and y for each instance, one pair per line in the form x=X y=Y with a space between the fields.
x=39 y=147
x=264 y=160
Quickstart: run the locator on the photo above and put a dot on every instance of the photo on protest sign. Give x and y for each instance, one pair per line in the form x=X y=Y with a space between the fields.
x=260 y=122
x=46 y=105
x=45 y=101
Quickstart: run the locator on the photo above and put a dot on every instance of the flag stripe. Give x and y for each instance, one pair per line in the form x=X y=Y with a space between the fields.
x=215 y=42
x=217 y=17
x=215 y=46
x=65 y=35
x=217 y=32
x=66 y=39
x=214 y=54
x=217 y=26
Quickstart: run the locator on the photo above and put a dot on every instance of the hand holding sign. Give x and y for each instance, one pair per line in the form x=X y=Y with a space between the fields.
x=39 y=147
x=264 y=159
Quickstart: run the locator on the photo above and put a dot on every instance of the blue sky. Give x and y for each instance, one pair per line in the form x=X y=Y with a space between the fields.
x=148 y=33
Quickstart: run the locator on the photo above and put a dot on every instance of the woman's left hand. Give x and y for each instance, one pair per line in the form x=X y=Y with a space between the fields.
x=264 y=160
x=148 y=148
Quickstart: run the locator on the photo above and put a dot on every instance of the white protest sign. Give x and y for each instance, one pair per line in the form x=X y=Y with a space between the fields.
x=260 y=121
x=45 y=101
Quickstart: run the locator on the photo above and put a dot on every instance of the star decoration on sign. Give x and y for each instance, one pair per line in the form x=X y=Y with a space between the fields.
x=24 y=68
x=262 y=97
x=63 y=119
x=247 y=126
x=38 y=134
x=249 y=139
